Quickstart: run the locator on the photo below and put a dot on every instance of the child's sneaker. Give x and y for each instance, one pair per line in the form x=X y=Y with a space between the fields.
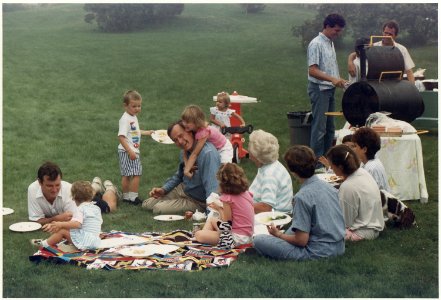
x=97 y=185
x=137 y=201
x=37 y=243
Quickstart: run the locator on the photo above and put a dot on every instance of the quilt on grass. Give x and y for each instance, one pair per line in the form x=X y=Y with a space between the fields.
x=170 y=251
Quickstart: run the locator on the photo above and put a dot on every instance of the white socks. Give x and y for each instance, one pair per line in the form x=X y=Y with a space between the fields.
x=130 y=196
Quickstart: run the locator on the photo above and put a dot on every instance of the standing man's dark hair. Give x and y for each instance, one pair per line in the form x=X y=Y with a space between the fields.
x=334 y=19
x=392 y=24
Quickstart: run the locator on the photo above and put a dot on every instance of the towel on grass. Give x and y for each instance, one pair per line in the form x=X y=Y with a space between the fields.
x=188 y=256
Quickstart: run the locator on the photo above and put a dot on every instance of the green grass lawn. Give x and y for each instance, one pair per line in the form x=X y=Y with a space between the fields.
x=62 y=87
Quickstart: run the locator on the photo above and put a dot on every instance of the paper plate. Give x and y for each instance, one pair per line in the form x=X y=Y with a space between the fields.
x=122 y=240
x=147 y=250
x=161 y=137
x=25 y=226
x=168 y=218
x=7 y=211
x=266 y=218
x=262 y=229
x=331 y=178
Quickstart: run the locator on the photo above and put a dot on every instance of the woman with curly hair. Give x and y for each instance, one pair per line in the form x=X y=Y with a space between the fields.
x=236 y=223
x=272 y=186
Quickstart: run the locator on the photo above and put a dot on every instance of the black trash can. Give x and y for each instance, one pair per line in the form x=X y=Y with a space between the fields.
x=300 y=127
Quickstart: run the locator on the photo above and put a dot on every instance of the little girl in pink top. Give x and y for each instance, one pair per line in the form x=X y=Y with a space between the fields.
x=193 y=119
x=235 y=226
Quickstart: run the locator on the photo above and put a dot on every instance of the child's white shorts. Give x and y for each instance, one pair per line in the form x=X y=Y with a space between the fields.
x=226 y=153
x=240 y=239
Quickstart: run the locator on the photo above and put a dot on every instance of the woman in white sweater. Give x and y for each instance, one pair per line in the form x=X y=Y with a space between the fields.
x=359 y=195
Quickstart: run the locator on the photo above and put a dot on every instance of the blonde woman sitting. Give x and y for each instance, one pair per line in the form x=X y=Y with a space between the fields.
x=272 y=186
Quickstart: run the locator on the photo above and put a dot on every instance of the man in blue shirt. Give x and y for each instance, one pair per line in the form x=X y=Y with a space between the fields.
x=180 y=193
x=323 y=77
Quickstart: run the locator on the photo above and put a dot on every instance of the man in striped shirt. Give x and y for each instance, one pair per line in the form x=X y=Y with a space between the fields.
x=323 y=78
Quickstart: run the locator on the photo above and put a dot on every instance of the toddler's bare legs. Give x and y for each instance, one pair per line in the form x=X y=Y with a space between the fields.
x=209 y=234
x=58 y=236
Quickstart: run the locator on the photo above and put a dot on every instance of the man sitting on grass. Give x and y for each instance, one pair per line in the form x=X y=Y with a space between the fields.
x=49 y=197
x=181 y=193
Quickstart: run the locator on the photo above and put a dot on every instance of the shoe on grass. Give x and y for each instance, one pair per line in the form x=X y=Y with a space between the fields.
x=37 y=243
x=97 y=185
x=137 y=201
x=108 y=185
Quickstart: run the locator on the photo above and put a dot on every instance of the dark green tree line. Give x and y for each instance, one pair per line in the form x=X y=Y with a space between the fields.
x=418 y=22
x=128 y=17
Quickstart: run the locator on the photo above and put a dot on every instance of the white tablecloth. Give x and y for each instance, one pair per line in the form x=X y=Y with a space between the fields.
x=239 y=99
x=402 y=158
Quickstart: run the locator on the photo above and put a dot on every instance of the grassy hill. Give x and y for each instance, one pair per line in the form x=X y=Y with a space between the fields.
x=62 y=87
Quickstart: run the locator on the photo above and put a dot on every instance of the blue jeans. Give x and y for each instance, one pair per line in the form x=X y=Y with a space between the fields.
x=322 y=127
x=270 y=246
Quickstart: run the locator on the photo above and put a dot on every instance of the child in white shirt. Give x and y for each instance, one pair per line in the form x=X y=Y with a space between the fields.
x=83 y=230
x=129 y=136
x=221 y=113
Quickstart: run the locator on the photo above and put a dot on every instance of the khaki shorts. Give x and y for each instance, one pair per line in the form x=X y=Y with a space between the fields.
x=361 y=234
x=176 y=202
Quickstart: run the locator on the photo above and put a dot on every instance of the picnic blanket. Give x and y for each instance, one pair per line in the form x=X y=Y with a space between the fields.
x=184 y=255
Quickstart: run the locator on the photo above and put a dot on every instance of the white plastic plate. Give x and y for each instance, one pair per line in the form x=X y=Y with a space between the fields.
x=168 y=218
x=266 y=218
x=331 y=178
x=7 y=211
x=25 y=226
x=161 y=137
x=147 y=250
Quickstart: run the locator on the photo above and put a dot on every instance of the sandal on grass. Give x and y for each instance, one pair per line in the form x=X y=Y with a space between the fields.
x=37 y=242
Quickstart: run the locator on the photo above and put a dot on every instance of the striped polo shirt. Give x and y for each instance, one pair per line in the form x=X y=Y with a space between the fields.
x=273 y=186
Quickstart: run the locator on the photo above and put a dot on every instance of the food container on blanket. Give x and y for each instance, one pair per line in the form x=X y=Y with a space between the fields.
x=198 y=216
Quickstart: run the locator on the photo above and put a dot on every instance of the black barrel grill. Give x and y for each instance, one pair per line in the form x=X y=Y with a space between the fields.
x=382 y=88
